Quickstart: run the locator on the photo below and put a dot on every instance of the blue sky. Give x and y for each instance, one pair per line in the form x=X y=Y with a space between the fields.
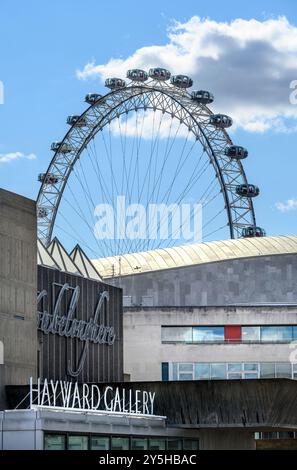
x=44 y=44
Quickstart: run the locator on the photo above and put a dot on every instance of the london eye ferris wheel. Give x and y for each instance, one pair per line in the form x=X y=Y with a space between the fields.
x=150 y=141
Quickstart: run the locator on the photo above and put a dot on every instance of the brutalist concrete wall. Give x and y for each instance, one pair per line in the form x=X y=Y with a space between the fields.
x=259 y=279
x=18 y=288
x=144 y=350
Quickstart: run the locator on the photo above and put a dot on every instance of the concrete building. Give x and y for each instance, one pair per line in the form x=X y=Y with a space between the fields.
x=227 y=272
x=218 y=310
x=18 y=281
x=171 y=343
x=195 y=318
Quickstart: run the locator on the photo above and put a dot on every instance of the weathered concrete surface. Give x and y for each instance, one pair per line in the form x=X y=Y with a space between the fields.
x=259 y=279
x=144 y=351
x=18 y=281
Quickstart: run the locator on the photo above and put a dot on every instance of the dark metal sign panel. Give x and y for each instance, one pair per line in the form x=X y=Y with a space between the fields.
x=80 y=328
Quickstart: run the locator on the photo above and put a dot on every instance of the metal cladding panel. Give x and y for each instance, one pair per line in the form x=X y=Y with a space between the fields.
x=257 y=404
x=103 y=362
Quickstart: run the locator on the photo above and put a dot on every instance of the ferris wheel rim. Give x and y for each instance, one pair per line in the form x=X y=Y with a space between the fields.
x=183 y=101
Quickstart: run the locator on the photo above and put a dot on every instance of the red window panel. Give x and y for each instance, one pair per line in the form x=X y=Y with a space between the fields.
x=232 y=333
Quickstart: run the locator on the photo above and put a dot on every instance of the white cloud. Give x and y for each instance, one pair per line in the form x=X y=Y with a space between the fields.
x=289 y=205
x=247 y=64
x=148 y=125
x=12 y=156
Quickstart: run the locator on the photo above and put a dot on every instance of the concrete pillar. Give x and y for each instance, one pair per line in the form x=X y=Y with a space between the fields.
x=227 y=439
x=18 y=288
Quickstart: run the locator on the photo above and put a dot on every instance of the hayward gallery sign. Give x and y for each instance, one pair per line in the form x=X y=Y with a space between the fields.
x=73 y=396
x=66 y=325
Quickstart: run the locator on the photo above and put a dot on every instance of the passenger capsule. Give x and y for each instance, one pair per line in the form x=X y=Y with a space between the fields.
x=220 y=120
x=247 y=190
x=48 y=178
x=42 y=212
x=77 y=121
x=91 y=98
x=60 y=147
x=137 y=75
x=252 y=231
x=236 y=152
x=181 y=81
x=159 y=74
x=202 y=96
x=115 y=83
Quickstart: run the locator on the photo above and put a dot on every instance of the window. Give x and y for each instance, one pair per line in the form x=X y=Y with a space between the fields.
x=202 y=371
x=174 y=444
x=126 y=442
x=175 y=371
x=250 y=370
x=218 y=371
x=203 y=334
x=231 y=370
x=185 y=371
x=251 y=376
x=138 y=444
x=267 y=370
x=283 y=370
x=229 y=334
x=157 y=444
x=177 y=334
x=190 y=444
x=286 y=435
x=120 y=443
x=99 y=443
x=78 y=442
x=251 y=367
x=235 y=367
x=276 y=333
x=54 y=442
x=250 y=333
x=234 y=370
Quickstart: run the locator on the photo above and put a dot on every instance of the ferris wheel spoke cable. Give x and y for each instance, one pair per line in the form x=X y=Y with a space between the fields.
x=216 y=230
x=106 y=197
x=165 y=158
x=138 y=143
x=194 y=178
x=152 y=147
x=88 y=198
x=213 y=218
x=124 y=146
x=70 y=235
x=103 y=188
x=83 y=218
x=90 y=205
x=171 y=242
x=154 y=144
x=114 y=182
x=138 y=152
x=177 y=171
x=189 y=186
x=124 y=243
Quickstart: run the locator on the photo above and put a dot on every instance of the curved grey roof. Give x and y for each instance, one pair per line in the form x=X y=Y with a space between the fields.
x=197 y=253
